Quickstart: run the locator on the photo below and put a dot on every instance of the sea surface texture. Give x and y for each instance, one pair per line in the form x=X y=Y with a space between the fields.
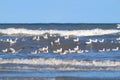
x=56 y=50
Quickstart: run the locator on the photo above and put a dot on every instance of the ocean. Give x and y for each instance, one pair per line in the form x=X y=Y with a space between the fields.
x=60 y=51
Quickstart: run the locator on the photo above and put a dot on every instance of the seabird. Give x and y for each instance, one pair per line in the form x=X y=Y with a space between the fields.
x=76 y=40
x=116 y=49
x=5 y=50
x=12 y=50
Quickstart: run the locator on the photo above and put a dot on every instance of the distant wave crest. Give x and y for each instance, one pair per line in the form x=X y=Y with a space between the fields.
x=22 y=31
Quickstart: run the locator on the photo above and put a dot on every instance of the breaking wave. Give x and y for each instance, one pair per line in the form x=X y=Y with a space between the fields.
x=93 y=32
x=58 y=64
x=52 y=62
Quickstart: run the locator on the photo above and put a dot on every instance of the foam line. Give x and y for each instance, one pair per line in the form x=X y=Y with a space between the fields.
x=52 y=61
x=22 y=31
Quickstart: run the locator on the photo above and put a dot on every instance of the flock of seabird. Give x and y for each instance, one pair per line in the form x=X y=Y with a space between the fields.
x=57 y=41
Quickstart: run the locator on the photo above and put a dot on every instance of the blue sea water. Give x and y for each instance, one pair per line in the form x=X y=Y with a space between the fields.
x=54 y=50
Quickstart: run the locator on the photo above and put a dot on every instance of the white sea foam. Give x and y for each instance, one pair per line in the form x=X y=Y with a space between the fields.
x=93 y=32
x=52 y=61
x=118 y=26
x=58 y=64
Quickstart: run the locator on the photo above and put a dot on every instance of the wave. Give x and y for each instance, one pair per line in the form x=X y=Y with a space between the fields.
x=58 y=64
x=118 y=26
x=22 y=31
x=53 y=62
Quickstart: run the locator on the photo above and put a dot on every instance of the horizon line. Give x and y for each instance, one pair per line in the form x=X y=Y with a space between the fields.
x=60 y=23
